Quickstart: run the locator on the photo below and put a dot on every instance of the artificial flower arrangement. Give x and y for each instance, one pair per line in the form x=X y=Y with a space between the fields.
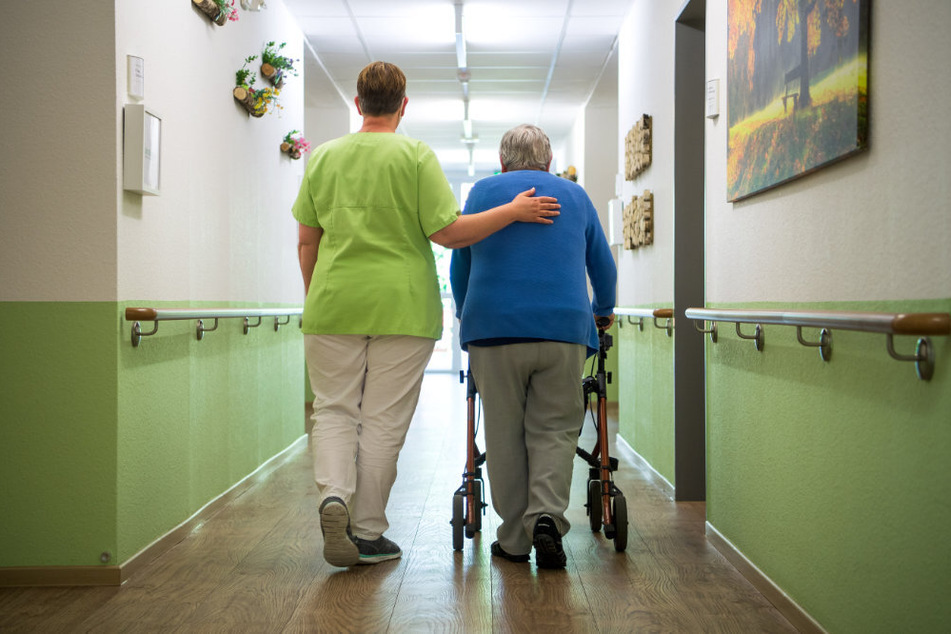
x=255 y=101
x=274 y=65
x=220 y=11
x=295 y=145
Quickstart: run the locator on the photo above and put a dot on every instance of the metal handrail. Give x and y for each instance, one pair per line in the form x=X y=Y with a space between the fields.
x=138 y=314
x=890 y=324
x=648 y=313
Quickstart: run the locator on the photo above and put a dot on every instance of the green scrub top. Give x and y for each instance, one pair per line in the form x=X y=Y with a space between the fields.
x=377 y=197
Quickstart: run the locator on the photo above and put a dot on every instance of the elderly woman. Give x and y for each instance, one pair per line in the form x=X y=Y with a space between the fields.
x=369 y=204
x=528 y=325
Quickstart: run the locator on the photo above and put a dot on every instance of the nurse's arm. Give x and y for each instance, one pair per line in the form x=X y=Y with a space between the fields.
x=308 y=241
x=469 y=229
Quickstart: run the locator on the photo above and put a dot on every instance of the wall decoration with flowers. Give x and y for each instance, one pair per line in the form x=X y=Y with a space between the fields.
x=276 y=66
x=256 y=101
x=218 y=11
x=294 y=145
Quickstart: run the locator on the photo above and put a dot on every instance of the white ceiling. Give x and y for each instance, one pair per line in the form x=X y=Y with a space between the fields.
x=531 y=61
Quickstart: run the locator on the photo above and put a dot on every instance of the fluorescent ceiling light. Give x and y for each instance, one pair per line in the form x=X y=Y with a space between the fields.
x=434 y=109
x=461 y=59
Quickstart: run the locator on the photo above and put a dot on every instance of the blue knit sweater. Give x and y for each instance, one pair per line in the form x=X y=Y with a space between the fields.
x=529 y=281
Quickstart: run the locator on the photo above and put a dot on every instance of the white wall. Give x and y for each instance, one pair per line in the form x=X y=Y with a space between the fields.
x=221 y=230
x=571 y=150
x=873 y=227
x=601 y=160
x=646 y=86
x=58 y=166
x=323 y=124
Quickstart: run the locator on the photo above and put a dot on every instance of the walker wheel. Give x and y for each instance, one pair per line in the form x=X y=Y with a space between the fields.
x=620 y=523
x=458 y=520
x=474 y=523
x=594 y=505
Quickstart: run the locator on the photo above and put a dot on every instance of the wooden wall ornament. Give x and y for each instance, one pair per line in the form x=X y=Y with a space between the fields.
x=275 y=65
x=294 y=144
x=216 y=12
x=245 y=97
x=273 y=75
x=288 y=149
x=637 y=148
x=638 y=218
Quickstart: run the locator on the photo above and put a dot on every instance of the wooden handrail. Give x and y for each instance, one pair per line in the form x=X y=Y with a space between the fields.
x=155 y=315
x=916 y=324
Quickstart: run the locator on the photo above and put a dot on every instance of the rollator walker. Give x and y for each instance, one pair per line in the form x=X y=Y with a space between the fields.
x=605 y=503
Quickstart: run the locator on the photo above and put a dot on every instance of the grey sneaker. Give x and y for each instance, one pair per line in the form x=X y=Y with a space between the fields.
x=377 y=550
x=339 y=547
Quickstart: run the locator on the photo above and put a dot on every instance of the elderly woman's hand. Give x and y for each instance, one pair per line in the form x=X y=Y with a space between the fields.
x=531 y=208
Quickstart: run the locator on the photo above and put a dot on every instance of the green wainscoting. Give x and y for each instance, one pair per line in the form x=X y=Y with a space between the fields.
x=198 y=416
x=833 y=478
x=645 y=384
x=109 y=447
x=59 y=385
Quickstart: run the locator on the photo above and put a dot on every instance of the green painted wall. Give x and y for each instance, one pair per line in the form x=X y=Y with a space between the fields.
x=197 y=416
x=58 y=380
x=105 y=447
x=645 y=383
x=833 y=477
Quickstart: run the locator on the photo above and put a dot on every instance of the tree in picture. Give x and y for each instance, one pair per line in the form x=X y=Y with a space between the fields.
x=797 y=89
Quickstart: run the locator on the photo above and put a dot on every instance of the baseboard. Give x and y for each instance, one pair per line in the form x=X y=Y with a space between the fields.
x=21 y=576
x=640 y=463
x=25 y=576
x=793 y=612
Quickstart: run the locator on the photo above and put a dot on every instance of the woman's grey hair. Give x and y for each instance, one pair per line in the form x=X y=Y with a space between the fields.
x=525 y=147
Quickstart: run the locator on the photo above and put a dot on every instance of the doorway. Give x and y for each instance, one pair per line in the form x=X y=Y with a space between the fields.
x=689 y=365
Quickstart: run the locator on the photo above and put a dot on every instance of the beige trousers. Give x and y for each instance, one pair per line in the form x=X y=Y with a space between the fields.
x=366 y=389
x=534 y=408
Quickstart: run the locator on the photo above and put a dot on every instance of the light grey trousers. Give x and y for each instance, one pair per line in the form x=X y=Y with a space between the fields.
x=366 y=389
x=532 y=399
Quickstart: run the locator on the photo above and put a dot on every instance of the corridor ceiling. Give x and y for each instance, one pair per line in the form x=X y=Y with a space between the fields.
x=527 y=61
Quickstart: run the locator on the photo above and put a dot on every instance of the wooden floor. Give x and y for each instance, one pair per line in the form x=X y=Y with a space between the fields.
x=256 y=565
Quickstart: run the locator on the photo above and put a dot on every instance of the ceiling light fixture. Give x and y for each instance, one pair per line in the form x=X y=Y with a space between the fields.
x=461 y=61
x=463 y=75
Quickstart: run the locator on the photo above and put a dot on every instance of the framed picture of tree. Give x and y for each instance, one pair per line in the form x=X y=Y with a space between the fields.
x=797 y=89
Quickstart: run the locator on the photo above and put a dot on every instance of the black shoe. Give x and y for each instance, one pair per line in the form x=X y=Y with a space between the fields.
x=497 y=551
x=339 y=547
x=377 y=550
x=549 y=552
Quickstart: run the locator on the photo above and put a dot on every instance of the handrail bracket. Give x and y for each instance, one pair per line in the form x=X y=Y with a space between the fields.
x=923 y=357
x=137 y=333
x=757 y=336
x=824 y=344
x=248 y=325
x=200 y=329
x=668 y=326
x=712 y=330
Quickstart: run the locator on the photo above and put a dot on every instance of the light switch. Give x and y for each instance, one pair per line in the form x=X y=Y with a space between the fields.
x=136 y=67
x=713 y=98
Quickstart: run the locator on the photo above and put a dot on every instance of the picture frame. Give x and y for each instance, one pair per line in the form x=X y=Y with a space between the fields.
x=142 y=150
x=797 y=89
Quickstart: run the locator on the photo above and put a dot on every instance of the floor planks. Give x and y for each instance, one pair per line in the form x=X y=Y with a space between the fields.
x=256 y=565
